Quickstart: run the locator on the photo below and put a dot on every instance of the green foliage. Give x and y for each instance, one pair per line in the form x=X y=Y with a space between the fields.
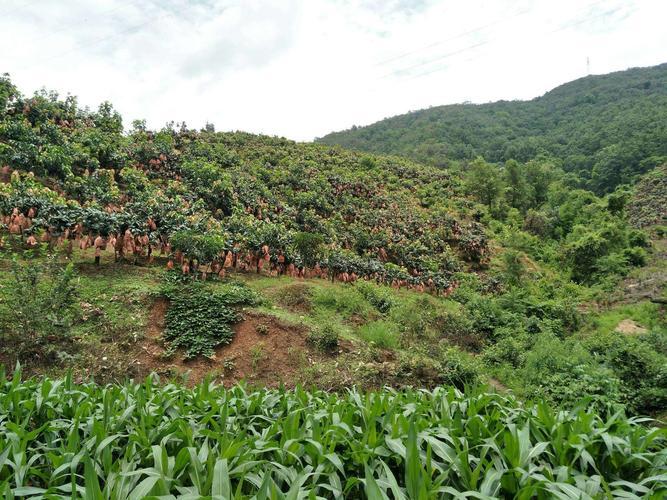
x=513 y=265
x=296 y=296
x=380 y=333
x=484 y=182
x=38 y=308
x=198 y=320
x=601 y=128
x=563 y=372
x=647 y=206
x=325 y=338
x=147 y=441
x=606 y=249
x=379 y=297
x=310 y=247
x=202 y=247
x=641 y=371
x=208 y=191
x=348 y=303
x=459 y=369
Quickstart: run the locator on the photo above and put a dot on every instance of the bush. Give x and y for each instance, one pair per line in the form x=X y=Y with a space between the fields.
x=458 y=329
x=636 y=256
x=642 y=372
x=325 y=338
x=310 y=246
x=38 y=307
x=379 y=297
x=656 y=340
x=296 y=296
x=563 y=372
x=487 y=315
x=637 y=238
x=459 y=369
x=509 y=350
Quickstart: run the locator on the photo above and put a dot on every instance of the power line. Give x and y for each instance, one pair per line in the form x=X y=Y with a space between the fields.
x=64 y=27
x=104 y=39
x=439 y=58
x=435 y=44
x=567 y=25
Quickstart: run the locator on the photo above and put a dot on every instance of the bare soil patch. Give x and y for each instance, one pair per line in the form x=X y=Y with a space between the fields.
x=629 y=327
x=265 y=351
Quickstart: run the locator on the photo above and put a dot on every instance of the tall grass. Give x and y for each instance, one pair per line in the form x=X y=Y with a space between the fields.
x=382 y=333
x=59 y=439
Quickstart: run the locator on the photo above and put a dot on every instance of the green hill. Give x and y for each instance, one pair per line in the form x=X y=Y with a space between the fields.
x=221 y=258
x=462 y=275
x=607 y=129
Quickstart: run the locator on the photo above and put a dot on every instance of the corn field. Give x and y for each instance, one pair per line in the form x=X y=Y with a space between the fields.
x=59 y=439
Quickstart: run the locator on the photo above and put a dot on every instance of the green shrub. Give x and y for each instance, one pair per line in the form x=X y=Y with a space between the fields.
x=575 y=383
x=296 y=296
x=636 y=256
x=38 y=308
x=325 y=338
x=642 y=371
x=656 y=340
x=510 y=349
x=459 y=369
x=637 y=238
x=458 y=329
x=415 y=319
x=310 y=246
x=487 y=315
x=379 y=297
x=563 y=372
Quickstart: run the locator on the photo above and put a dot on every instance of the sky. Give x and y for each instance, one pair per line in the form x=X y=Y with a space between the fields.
x=303 y=68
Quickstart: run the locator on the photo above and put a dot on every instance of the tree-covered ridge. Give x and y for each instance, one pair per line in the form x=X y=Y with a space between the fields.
x=606 y=129
x=203 y=193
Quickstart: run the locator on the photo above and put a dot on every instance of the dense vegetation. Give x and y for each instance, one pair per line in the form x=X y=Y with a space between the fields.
x=122 y=253
x=63 y=440
x=516 y=248
x=381 y=217
x=606 y=130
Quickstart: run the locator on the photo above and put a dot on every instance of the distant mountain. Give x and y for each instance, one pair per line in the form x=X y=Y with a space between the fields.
x=608 y=129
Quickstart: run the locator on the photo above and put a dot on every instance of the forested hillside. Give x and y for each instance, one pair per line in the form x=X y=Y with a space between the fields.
x=606 y=129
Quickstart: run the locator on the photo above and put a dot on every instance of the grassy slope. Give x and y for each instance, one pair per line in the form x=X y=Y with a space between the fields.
x=117 y=304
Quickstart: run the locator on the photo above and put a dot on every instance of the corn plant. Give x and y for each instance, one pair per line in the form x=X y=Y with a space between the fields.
x=59 y=439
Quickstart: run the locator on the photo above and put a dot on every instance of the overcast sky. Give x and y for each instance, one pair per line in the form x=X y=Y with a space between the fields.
x=303 y=68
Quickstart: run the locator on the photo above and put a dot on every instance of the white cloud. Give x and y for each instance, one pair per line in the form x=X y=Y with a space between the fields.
x=302 y=68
